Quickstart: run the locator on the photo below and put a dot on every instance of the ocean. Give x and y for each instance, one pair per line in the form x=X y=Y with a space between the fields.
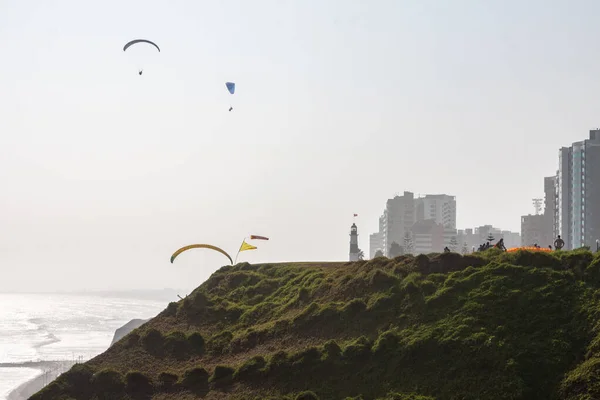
x=60 y=327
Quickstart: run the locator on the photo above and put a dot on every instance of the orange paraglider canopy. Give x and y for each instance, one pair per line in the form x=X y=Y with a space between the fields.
x=529 y=248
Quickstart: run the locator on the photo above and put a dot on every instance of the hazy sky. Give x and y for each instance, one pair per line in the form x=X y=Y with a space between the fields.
x=339 y=104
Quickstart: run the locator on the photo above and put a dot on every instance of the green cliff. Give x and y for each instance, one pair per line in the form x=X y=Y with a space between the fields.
x=487 y=326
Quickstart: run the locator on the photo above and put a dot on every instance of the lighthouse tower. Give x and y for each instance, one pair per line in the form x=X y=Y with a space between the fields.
x=353 y=243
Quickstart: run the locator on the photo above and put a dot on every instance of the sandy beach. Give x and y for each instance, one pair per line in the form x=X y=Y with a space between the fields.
x=49 y=370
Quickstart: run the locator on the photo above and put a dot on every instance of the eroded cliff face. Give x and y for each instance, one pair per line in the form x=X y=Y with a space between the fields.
x=128 y=327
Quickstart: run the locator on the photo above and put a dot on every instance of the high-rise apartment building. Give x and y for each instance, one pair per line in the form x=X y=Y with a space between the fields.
x=376 y=240
x=533 y=231
x=550 y=207
x=578 y=193
x=375 y=243
x=428 y=237
x=439 y=207
x=402 y=212
x=563 y=191
x=398 y=217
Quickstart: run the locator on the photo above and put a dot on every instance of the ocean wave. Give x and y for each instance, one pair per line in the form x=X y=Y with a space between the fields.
x=50 y=339
x=62 y=327
x=47 y=336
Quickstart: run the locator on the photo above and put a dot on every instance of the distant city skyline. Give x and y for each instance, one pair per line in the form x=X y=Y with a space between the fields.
x=427 y=224
x=571 y=209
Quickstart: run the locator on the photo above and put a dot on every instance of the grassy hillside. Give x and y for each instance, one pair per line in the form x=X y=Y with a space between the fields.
x=447 y=327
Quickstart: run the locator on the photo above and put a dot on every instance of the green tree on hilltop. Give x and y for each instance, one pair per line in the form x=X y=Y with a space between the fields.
x=465 y=248
x=408 y=243
x=453 y=244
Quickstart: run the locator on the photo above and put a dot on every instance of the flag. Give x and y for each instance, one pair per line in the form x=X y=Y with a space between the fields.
x=245 y=246
x=356 y=215
x=258 y=237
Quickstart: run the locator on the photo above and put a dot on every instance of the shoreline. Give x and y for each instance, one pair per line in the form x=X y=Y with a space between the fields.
x=44 y=369
x=48 y=372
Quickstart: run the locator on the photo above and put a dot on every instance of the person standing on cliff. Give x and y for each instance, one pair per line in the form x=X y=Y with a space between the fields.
x=559 y=243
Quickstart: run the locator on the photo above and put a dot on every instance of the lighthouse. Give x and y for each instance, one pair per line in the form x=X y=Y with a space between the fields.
x=354 y=243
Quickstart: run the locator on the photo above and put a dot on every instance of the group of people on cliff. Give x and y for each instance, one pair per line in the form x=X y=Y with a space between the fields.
x=487 y=245
x=558 y=244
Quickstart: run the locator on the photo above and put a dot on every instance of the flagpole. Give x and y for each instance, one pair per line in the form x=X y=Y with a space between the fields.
x=240 y=249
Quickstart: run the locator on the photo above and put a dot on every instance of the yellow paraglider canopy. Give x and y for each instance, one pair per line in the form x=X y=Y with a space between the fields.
x=200 y=246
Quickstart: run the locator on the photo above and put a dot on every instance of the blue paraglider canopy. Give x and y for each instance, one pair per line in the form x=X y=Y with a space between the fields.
x=230 y=87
